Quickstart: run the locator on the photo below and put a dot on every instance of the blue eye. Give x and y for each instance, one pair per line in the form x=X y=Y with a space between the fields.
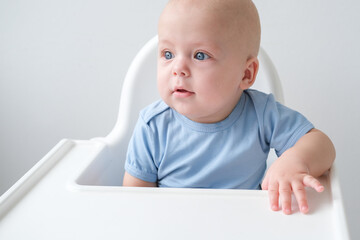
x=201 y=56
x=168 y=55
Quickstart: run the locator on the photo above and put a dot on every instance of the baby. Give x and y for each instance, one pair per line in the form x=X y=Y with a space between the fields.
x=210 y=130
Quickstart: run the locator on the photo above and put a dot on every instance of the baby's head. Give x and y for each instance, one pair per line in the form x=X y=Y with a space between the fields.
x=207 y=55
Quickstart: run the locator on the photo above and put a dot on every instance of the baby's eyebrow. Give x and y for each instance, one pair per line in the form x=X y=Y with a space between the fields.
x=208 y=44
x=165 y=42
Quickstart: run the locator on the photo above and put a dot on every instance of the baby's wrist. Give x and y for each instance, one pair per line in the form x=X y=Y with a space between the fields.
x=294 y=157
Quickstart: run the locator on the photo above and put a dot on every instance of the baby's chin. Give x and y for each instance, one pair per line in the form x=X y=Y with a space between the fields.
x=191 y=111
x=186 y=110
x=195 y=116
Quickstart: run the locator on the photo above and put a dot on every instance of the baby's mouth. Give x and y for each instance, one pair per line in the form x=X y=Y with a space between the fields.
x=181 y=92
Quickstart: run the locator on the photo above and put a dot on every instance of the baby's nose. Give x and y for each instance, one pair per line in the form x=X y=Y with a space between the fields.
x=181 y=69
x=180 y=73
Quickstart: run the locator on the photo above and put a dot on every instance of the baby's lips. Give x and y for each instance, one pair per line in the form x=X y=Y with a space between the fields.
x=181 y=89
x=182 y=93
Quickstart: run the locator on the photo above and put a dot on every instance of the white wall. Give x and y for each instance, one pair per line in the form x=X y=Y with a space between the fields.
x=62 y=65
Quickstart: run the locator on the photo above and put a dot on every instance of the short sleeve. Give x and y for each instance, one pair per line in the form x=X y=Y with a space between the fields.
x=283 y=127
x=139 y=159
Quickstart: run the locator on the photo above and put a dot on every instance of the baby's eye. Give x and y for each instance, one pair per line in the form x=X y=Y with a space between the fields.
x=168 y=55
x=201 y=56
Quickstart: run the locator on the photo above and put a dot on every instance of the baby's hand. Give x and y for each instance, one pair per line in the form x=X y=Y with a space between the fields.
x=286 y=176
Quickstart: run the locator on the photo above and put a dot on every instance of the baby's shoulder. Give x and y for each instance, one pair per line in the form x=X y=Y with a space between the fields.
x=154 y=110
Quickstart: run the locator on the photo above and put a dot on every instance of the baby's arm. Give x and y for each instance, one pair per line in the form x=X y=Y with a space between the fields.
x=297 y=168
x=130 y=181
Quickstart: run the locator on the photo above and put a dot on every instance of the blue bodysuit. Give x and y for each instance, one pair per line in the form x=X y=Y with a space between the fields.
x=170 y=149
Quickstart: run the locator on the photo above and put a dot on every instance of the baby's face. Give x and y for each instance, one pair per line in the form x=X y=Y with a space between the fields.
x=200 y=64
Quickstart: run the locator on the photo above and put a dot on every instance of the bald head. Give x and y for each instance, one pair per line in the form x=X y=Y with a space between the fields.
x=239 y=17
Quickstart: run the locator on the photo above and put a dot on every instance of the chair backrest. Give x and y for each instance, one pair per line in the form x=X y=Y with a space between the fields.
x=140 y=89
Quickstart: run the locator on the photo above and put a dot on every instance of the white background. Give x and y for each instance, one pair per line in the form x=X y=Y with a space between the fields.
x=62 y=65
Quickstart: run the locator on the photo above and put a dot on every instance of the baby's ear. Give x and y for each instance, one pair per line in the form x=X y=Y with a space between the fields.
x=251 y=70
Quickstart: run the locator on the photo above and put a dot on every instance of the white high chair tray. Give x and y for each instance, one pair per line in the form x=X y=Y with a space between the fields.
x=50 y=203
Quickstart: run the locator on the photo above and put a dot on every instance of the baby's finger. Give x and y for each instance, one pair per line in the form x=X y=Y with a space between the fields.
x=273 y=192
x=312 y=182
x=285 y=197
x=300 y=195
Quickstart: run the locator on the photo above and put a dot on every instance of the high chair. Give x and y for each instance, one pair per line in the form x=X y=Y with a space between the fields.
x=75 y=191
